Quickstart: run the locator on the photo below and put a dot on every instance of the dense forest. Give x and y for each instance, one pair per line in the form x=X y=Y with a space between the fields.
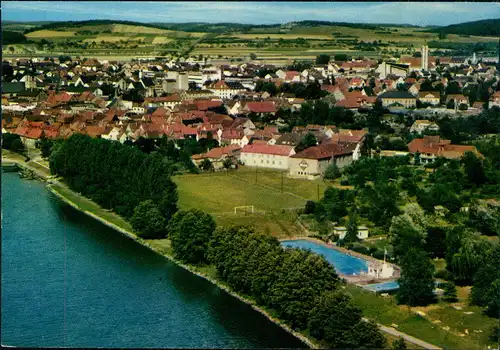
x=487 y=27
x=10 y=37
x=301 y=287
x=118 y=177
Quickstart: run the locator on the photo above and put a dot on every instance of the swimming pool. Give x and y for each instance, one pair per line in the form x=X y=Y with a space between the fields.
x=382 y=287
x=343 y=263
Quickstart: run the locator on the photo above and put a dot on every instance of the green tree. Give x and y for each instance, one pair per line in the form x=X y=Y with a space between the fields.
x=474 y=169
x=416 y=284
x=332 y=172
x=334 y=314
x=13 y=143
x=228 y=163
x=253 y=56
x=45 y=147
x=322 y=59
x=190 y=232
x=450 y=292
x=399 y=344
x=301 y=277
x=206 y=165
x=486 y=288
x=352 y=228
x=309 y=140
x=404 y=234
x=147 y=220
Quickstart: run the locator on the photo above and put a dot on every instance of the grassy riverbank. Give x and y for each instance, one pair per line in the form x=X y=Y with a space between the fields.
x=374 y=307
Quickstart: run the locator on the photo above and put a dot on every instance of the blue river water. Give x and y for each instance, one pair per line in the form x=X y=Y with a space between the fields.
x=69 y=281
x=343 y=263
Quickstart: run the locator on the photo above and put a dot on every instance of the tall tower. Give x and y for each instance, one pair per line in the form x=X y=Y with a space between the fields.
x=425 y=57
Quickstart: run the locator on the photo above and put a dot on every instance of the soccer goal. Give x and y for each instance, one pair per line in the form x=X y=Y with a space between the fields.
x=244 y=208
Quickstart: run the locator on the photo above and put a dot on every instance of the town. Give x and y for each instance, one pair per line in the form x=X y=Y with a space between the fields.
x=391 y=161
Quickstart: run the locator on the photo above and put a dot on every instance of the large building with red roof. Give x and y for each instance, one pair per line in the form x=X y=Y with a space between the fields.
x=267 y=156
x=312 y=162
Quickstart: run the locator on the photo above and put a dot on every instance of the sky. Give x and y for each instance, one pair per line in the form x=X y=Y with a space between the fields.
x=415 y=13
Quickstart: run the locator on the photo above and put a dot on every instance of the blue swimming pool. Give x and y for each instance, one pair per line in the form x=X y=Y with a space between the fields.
x=343 y=263
x=382 y=287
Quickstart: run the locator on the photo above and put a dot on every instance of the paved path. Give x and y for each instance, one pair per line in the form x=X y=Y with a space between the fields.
x=407 y=337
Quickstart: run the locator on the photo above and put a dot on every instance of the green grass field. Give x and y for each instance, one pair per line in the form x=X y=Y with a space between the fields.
x=219 y=193
x=434 y=327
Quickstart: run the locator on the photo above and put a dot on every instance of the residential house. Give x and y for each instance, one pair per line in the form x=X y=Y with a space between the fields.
x=419 y=126
x=218 y=155
x=226 y=90
x=431 y=147
x=431 y=97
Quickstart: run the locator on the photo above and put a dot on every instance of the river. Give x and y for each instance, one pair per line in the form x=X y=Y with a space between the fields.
x=69 y=281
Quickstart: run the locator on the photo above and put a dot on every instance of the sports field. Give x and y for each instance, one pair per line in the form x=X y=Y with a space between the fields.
x=219 y=193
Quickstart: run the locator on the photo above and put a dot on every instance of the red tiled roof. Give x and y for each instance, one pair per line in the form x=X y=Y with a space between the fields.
x=218 y=152
x=279 y=150
x=439 y=147
x=323 y=151
x=261 y=107
x=203 y=105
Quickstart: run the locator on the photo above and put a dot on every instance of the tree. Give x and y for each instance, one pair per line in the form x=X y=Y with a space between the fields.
x=228 y=163
x=13 y=143
x=310 y=207
x=190 y=232
x=450 y=292
x=309 y=140
x=45 y=147
x=336 y=320
x=399 y=344
x=253 y=56
x=147 y=220
x=340 y=57
x=416 y=284
x=322 y=59
x=486 y=288
x=405 y=234
x=474 y=169
x=333 y=315
x=206 y=165
x=352 y=228
x=332 y=172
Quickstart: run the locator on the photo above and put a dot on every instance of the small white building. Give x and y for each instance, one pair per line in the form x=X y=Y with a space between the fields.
x=266 y=156
x=380 y=270
x=341 y=231
x=422 y=125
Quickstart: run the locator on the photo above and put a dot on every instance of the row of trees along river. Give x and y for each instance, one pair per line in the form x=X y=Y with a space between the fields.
x=301 y=288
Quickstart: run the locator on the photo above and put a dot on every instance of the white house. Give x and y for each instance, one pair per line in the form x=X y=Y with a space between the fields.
x=267 y=156
x=341 y=231
x=422 y=125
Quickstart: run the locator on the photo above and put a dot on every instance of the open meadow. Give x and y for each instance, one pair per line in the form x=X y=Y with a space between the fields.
x=219 y=193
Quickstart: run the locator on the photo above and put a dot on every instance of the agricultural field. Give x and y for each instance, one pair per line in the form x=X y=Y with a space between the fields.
x=48 y=34
x=275 y=45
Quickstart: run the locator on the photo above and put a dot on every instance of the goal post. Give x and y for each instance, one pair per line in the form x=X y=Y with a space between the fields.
x=245 y=208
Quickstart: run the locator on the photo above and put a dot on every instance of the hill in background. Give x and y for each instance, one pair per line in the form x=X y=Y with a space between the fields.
x=487 y=27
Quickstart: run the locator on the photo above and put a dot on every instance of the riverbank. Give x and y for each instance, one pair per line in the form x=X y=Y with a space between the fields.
x=54 y=186
x=189 y=268
x=110 y=219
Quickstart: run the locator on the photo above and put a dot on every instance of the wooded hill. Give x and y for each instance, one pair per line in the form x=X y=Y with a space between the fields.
x=487 y=27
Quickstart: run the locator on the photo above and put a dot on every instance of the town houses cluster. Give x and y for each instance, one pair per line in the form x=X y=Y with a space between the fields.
x=124 y=101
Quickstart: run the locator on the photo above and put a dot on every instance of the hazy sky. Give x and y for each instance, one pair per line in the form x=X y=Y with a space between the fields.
x=416 y=13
